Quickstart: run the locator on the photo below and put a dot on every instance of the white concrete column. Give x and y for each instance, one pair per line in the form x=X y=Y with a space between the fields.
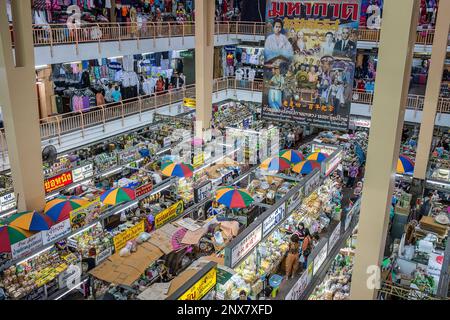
x=433 y=89
x=204 y=58
x=398 y=34
x=18 y=98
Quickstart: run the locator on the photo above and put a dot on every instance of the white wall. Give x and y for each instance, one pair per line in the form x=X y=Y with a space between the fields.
x=87 y=51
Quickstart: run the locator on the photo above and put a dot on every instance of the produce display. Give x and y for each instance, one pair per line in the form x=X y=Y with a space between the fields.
x=185 y=190
x=92 y=242
x=230 y=290
x=266 y=259
x=22 y=279
x=337 y=282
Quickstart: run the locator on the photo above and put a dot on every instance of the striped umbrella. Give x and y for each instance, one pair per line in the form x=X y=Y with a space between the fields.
x=233 y=198
x=294 y=156
x=10 y=235
x=30 y=221
x=405 y=165
x=275 y=164
x=317 y=156
x=180 y=170
x=59 y=209
x=306 y=167
x=117 y=195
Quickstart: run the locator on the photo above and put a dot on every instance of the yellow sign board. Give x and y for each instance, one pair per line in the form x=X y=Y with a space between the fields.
x=86 y=214
x=202 y=287
x=168 y=214
x=120 y=241
x=190 y=103
x=198 y=160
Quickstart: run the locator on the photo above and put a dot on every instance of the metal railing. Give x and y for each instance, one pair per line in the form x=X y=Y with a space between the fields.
x=58 y=125
x=406 y=293
x=57 y=34
x=3 y=146
x=60 y=34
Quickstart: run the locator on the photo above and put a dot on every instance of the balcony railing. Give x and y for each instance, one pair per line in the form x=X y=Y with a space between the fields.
x=60 y=34
x=56 y=126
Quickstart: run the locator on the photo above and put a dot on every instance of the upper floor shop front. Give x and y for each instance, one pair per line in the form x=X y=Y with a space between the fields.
x=58 y=43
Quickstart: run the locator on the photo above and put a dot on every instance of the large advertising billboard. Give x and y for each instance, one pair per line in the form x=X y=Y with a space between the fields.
x=310 y=56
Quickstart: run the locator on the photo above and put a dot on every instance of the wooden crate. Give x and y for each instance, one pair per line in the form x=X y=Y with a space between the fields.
x=428 y=224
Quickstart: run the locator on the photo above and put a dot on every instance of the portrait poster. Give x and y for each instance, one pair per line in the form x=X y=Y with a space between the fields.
x=310 y=54
x=371 y=14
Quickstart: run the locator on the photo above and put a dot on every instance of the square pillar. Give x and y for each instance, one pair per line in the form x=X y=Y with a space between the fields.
x=18 y=98
x=398 y=33
x=204 y=58
x=433 y=90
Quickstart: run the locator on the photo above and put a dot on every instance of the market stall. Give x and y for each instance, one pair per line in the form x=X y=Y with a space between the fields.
x=337 y=282
x=257 y=255
x=196 y=283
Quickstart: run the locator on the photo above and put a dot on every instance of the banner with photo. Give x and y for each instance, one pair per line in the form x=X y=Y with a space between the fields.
x=310 y=61
x=371 y=13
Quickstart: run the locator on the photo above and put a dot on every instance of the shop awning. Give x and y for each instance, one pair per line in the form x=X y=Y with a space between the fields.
x=126 y=270
x=162 y=238
x=199 y=278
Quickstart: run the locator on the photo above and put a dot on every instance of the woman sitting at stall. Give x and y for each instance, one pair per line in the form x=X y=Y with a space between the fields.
x=160 y=85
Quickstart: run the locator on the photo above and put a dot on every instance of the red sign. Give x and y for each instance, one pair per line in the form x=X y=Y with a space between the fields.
x=146 y=188
x=58 y=181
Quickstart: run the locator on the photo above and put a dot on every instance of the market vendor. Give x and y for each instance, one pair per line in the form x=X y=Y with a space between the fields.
x=300 y=231
x=243 y=296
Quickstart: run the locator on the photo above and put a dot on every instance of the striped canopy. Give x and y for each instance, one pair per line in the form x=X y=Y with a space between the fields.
x=117 y=195
x=317 y=156
x=181 y=170
x=10 y=235
x=30 y=221
x=59 y=209
x=233 y=198
x=405 y=165
x=306 y=167
x=294 y=156
x=275 y=164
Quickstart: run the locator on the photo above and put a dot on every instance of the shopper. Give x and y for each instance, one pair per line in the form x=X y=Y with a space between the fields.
x=243 y=296
x=116 y=95
x=100 y=98
x=352 y=174
x=160 y=84
x=426 y=206
x=315 y=239
x=108 y=295
x=293 y=256
x=306 y=247
x=357 y=192
x=108 y=94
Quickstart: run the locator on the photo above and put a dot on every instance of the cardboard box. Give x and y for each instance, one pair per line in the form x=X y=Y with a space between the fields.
x=402 y=210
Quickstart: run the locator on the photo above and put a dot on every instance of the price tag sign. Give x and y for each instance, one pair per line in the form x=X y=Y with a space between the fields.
x=246 y=245
x=203 y=191
x=320 y=258
x=334 y=237
x=274 y=219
